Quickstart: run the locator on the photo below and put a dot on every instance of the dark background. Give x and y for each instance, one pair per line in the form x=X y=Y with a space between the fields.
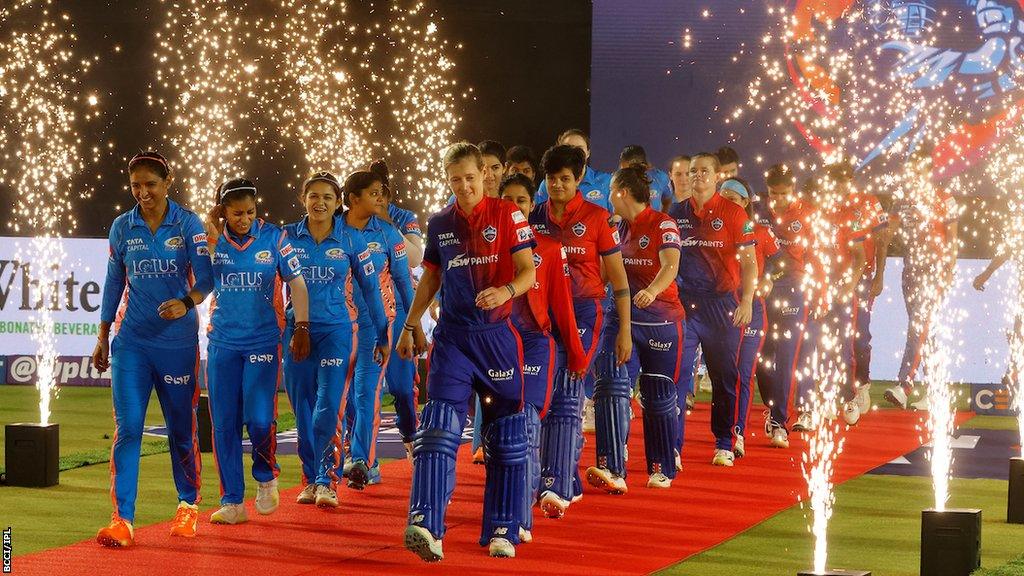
x=527 y=62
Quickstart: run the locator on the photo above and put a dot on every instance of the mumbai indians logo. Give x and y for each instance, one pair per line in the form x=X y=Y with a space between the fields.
x=264 y=257
x=374 y=247
x=490 y=233
x=579 y=229
x=175 y=243
x=644 y=242
x=717 y=224
x=335 y=253
x=500 y=375
x=593 y=195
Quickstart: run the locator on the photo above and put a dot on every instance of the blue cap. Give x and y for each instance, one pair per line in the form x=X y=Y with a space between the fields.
x=735 y=186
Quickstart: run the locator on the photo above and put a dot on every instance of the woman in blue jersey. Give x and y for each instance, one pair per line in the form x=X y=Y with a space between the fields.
x=363 y=192
x=160 y=264
x=251 y=258
x=331 y=256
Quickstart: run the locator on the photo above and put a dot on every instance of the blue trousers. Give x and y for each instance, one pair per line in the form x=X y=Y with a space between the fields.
x=135 y=372
x=709 y=325
x=243 y=391
x=364 y=402
x=751 y=342
x=317 y=388
x=839 y=322
x=401 y=378
x=777 y=375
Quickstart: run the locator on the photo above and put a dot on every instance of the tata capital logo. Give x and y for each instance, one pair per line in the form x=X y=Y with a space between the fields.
x=264 y=257
x=579 y=229
x=490 y=233
x=717 y=224
x=644 y=242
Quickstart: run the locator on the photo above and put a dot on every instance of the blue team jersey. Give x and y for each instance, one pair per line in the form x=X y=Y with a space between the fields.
x=404 y=220
x=247 y=309
x=661 y=189
x=387 y=251
x=149 y=269
x=329 y=269
x=595 y=187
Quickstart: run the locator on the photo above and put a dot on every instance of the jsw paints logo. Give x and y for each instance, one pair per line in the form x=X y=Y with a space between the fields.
x=177 y=380
x=261 y=358
x=500 y=375
x=463 y=260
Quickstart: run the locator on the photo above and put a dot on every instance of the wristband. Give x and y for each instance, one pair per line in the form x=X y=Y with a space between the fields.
x=408 y=327
x=624 y=293
x=511 y=290
x=302 y=326
x=187 y=301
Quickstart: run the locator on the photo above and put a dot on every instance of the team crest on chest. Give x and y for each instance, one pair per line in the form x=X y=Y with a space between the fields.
x=579 y=229
x=264 y=257
x=795 y=226
x=644 y=242
x=490 y=233
x=335 y=254
x=717 y=224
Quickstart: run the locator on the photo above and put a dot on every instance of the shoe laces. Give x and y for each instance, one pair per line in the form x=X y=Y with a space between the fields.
x=184 y=515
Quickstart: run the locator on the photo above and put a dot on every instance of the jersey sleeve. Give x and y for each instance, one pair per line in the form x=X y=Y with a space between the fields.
x=400 y=275
x=879 y=217
x=114 y=284
x=522 y=234
x=607 y=236
x=431 y=251
x=741 y=228
x=669 y=235
x=563 y=315
x=365 y=274
x=198 y=253
x=769 y=243
x=288 y=265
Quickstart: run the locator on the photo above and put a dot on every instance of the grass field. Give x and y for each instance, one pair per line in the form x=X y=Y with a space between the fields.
x=876 y=524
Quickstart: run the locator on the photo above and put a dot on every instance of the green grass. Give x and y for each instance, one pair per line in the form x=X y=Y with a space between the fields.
x=876 y=526
x=992 y=423
x=1014 y=568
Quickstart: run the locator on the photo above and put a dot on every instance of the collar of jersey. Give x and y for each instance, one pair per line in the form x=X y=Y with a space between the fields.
x=173 y=215
x=570 y=209
x=373 y=224
x=250 y=236
x=478 y=209
x=712 y=202
x=302 y=228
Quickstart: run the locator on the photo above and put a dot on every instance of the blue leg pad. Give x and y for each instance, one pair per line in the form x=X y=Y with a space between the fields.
x=561 y=436
x=613 y=393
x=433 y=474
x=507 y=451
x=533 y=463
x=661 y=422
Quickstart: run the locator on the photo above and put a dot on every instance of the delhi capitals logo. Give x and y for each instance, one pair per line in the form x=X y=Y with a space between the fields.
x=579 y=229
x=644 y=242
x=795 y=226
x=958 y=58
x=537 y=260
x=490 y=233
x=717 y=224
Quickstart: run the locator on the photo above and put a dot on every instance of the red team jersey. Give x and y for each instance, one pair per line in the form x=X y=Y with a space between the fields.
x=472 y=252
x=765 y=246
x=551 y=296
x=586 y=234
x=867 y=210
x=711 y=237
x=929 y=215
x=642 y=241
x=831 y=252
x=790 y=229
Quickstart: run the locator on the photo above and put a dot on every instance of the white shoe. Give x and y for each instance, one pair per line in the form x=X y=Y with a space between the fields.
x=326 y=497
x=408 y=451
x=659 y=480
x=690 y=400
x=525 y=536
x=863 y=398
x=422 y=543
x=705 y=382
x=804 y=423
x=230 y=514
x=604 y=479
x=851 y=412
x=553 y=505
x=346 y=468
x=739 y=447
x=679 y=462
x=779 y=438
x=501 y=548
x=897 y=396
x=308 y=495
x=588 y=416
x=921 y=405
x=723 y=458
x=267 y=497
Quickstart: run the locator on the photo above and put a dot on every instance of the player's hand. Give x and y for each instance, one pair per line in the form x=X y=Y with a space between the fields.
x=743 y=313
x=381 y=352
x=299 y=346
x=979 y=282
x=876 y=286
x=420 y=345
x=406 y=345
x=101 y=354
x=491 y=298
x=623 y=347
x=214 y=223
x=643 y=298
x=172 y=309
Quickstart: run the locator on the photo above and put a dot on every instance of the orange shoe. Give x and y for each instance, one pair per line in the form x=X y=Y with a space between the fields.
x=478 y=456
x=185 y=520
x=119 y=534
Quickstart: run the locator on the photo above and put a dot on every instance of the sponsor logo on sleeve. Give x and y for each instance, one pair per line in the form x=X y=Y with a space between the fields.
x=198 y=238
x=579 y=229
x=537 y=260
x=286 y=250
x=400 y=250
x=202 y=251
x=491 y=234
x=748 y=228
x=175 y=243
x=518 y=217
x=368 y=269
x=364 y=255
x=670 y=238
x=293 y=264
x=524 y=234
x=667 y=224
x=615 y=237
x=264 y=257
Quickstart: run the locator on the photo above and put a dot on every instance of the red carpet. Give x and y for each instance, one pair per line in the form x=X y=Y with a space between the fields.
x=634 y=534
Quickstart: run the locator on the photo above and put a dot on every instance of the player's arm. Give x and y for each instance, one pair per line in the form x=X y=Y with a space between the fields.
x=668 y=257
x=400 y=275
x=414 y=249
x=858 y=260
x=748 y=285
x=365 y=274
x=113 y=289
x=616 y=271
x=560 y=307
x=201 y=265
x=495 y=296
x=995 y=264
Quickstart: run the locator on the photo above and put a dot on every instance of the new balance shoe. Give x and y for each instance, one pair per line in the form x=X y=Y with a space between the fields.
x=422 y=543
x=230 y=514
x=186 y=520
x=604 y=479
x=659 y=480
x=525 y=536
x=897 y=396
x=863 y=398
x=723 y=458
x=589 y=424
x=553 y=505
x=308 y=495
x=359 y=475
x=804 y=423
x=267 y=497
x=326 y=497
x=851 y=412
x=501 y=548
x=118 y=534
